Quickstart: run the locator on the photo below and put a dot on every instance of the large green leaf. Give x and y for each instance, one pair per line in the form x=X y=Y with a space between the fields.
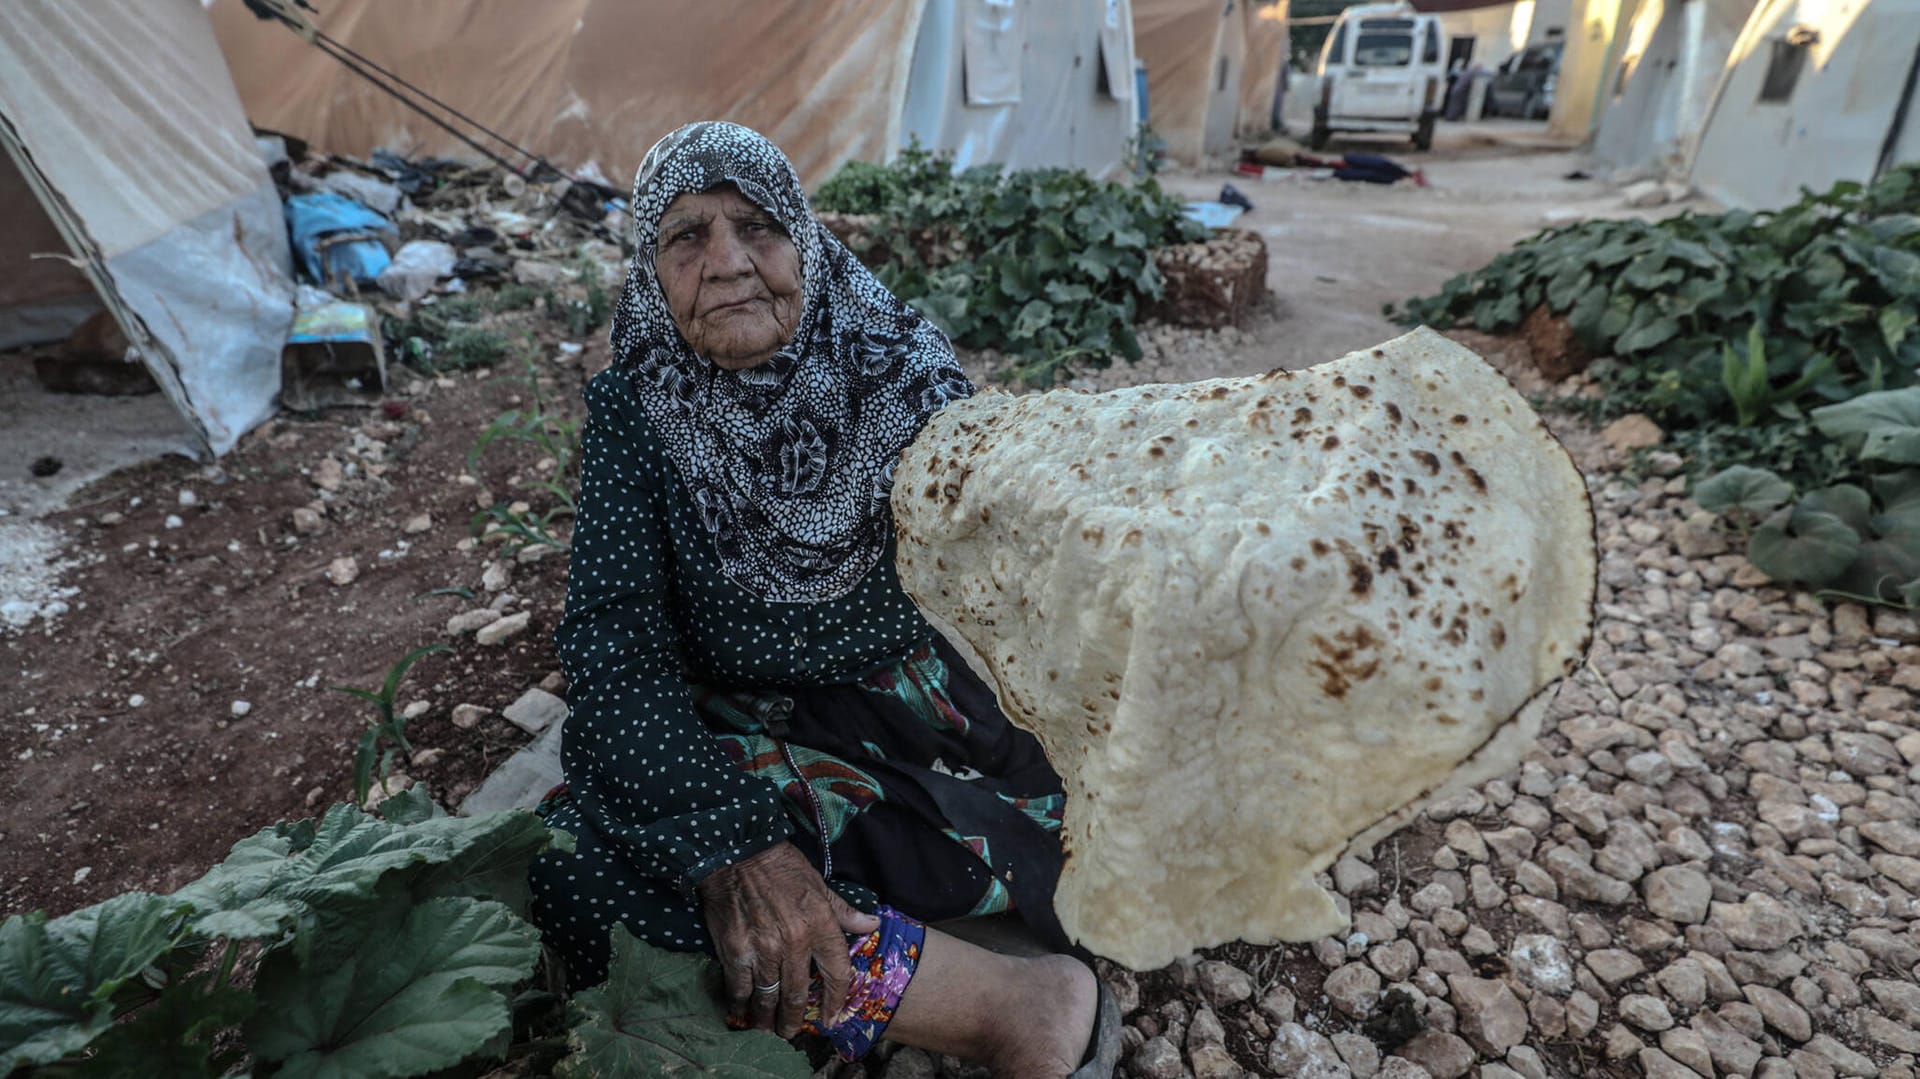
x=1743 y=487
x=1843 y=500
x=493 y=865
x=659 y=1013
x=1033 y=318
x=174 y=1036
x=1806 y=546
x=1883 y=567
x=1648 y=330
x=417 y=991
x=289 y=877
x=58 y=977
x=1896 y=323
x=1899 y=497
x=1883 y=426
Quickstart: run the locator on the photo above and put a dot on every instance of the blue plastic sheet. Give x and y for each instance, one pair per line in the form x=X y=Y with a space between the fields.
x=313 y=220
x=1214 y=215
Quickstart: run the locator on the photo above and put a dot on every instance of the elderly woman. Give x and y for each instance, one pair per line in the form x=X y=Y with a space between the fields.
x=771 y=757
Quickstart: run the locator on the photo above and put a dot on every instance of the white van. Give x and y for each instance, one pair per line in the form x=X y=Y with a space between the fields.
x=1383 y=69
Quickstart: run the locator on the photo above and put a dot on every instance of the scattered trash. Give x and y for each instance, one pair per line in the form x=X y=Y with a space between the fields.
x=1578 y=174
x=416 y=267
x=45 y=466
x=341 y=244
x=333 y=349
x=1214 y=215
x=375 y=194
x=1231 y=196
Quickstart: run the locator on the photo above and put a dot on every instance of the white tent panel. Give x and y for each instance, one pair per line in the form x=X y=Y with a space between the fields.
x=1065 y=108
x=121 y=115
x=1782 y=123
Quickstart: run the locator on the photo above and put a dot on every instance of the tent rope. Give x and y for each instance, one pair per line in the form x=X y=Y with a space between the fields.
x=286 y=12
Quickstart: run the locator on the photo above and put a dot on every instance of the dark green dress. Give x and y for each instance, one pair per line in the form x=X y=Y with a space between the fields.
x=708 y=725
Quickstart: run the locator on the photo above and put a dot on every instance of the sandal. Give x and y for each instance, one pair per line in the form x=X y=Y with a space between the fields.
x=1103 y=1045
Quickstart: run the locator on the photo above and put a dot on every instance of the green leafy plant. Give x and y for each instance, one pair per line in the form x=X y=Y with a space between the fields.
x=557 y=438
x=383 y=949
x=1048 y=266
x=1860 y=540
x=660 y=1014
x=1750 y=493
x=860 y=187
x=1750 y=385
x=354 y=946
x=1882 y=428
x=387 y=728
x=591 y=309
x=1830 y=284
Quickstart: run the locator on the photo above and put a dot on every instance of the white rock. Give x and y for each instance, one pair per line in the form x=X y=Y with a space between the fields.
x=1542 y=962
x=536 y=710
x=343 y=571
x=498 y=577
x=504 y=629
x=240 y=708
x=469 y=621
x=468 y=716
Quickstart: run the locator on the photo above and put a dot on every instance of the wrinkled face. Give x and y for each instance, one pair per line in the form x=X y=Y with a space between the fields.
x=731 y=275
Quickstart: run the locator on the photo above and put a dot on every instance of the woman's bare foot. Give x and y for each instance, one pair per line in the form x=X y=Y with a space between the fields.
x=1049 y=1012
x=1026 y=1018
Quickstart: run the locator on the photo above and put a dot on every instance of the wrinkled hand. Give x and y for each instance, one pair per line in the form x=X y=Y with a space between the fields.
x=772 y=919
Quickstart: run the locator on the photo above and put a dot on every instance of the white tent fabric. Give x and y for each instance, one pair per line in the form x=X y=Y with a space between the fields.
x=1842 y=111
x=120 y=117
x=1664 y=82
x=1024 y=84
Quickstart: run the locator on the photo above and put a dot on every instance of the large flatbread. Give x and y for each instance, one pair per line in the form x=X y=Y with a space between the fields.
x=1252 y=620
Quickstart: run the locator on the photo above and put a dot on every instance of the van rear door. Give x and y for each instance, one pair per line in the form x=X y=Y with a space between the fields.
x=1382 y=81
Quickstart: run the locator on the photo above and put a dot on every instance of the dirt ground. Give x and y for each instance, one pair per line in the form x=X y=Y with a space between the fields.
x=1339 y=253
x=125 y=759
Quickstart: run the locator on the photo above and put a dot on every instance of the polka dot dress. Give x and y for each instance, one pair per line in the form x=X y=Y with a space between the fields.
x=734 y=533
x=648 y=608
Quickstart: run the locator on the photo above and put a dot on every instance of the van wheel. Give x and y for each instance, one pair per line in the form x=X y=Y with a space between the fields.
x=1423 y=135
x=1321 y=133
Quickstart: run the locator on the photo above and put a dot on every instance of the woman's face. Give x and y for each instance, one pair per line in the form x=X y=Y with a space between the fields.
x=731 y=275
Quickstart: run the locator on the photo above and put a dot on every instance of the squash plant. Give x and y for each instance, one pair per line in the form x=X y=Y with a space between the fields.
x=1049 y=266
x=1831 y=284
x=1856 y=540
x=350 y=946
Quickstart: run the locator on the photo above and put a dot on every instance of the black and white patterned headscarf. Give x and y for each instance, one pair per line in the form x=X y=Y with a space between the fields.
x=790 y=463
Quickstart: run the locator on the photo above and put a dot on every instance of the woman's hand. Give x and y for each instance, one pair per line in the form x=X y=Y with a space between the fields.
x=771 y=916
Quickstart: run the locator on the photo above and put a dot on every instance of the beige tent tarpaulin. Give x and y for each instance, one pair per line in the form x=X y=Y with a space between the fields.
x=120 y=118
x=1194 y=52
x=586 y=81
x=1266 y=52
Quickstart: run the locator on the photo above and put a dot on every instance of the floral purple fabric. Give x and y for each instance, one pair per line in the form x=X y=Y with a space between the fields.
x=883 y=963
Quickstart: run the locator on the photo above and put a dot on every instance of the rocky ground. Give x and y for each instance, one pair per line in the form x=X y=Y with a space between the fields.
x=1706 y=867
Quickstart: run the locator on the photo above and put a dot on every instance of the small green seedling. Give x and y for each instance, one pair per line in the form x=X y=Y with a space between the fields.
x=386 y=726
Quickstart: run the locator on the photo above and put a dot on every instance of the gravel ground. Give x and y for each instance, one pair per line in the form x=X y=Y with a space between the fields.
x=1707 y=866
